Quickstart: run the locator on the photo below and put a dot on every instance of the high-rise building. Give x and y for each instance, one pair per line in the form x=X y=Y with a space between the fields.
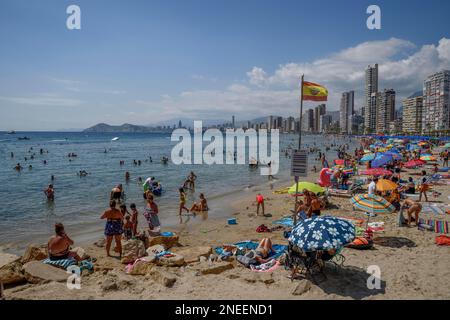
x=412 y=115
x=385 y=111
x=290 y=124
x=371 y=88
x=179 y=124
x=278 y=122
x=436 y=102
x=325 y=122
x=308 y=121
x=233 y=124
x=320 y=110
x=347 y=109
x=270 y=122
x=374 y=104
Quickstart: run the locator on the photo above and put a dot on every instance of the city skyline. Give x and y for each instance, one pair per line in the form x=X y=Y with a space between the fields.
x=132 y=71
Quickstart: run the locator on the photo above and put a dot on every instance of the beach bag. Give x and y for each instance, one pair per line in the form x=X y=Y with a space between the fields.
x=360 y=243
x=263 y=228
x=248 y=259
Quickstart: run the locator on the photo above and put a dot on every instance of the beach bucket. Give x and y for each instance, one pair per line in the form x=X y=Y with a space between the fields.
x=232 y=221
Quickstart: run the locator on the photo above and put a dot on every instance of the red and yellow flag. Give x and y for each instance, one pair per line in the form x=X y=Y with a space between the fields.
x=314 y=92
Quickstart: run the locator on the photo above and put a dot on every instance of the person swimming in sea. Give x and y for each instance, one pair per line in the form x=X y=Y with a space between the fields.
x=117 y=193
x=18 y=167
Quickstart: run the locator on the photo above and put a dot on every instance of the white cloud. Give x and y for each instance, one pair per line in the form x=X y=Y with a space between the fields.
x=402 y=66
x=44 y=100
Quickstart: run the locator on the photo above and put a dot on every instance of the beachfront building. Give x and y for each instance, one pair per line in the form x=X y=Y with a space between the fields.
x=371 y=88
x=320 y=110
x=436 y=103
x=412 y=115
x=385 y=110
x=356 y=124
x=374 y=104
x=325 y=122
x=308 y=121
x=347 y=109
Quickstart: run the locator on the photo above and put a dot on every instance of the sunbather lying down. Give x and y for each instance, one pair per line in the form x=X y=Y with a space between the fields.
x=263 y=250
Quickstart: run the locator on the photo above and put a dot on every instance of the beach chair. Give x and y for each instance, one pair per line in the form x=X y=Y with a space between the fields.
x=311 y=264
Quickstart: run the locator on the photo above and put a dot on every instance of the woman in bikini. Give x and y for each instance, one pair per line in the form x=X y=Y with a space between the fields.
x=113 y=227
x=59 y=245
x=263 y=250
x=412 y=207
x=200 y=206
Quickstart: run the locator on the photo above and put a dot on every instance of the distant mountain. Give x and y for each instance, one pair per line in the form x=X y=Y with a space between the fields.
x=126 y=127
x=188 y=122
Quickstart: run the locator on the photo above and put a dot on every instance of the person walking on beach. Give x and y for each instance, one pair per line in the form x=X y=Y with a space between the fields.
x=117 y=193
x=259 y=203
x=445 y=156
x=182 y=201
x=423 y=187
x=113 y=227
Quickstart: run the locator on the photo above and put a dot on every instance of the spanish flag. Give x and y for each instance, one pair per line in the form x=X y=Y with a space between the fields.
x=314 y=92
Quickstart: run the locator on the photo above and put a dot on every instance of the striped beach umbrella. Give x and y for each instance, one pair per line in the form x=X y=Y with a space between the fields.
x=372 y=204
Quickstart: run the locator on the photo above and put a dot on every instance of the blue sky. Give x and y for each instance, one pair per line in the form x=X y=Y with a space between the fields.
x=146 y=61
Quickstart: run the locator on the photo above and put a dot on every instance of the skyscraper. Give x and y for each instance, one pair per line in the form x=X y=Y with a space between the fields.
x=270 y=122
x=436 y=102
x=320 y=110
x=347 y=109
x=385 y=111
x=233 y=123
x=371 y=87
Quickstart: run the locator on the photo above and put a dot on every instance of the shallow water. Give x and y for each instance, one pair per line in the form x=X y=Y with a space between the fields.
x=26 y=214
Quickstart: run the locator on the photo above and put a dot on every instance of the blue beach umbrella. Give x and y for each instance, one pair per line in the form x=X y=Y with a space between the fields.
x=322 y=233
x=367 y=157
x=381 y=159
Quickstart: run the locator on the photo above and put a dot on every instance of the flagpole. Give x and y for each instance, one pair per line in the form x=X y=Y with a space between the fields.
x=301 y=113
x=299 y=146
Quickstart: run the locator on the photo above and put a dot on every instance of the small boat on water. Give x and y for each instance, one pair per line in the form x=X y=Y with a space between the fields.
x=23 y=138
x=12 y=132
x=115 y=139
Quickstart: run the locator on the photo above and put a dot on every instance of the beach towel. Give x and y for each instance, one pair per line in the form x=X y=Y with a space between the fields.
x=287 y=222
x=278 y=249
x=63 y=263
x=436 y=225
x=442 y=240
x=269 y=266
x=434 y=208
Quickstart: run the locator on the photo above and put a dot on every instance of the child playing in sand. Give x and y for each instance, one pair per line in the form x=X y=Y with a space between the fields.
x=259 y=203
x=134 y=218
x=128 y=228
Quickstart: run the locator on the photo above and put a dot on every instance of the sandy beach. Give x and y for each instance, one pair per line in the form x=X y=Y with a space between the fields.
x=412 y=265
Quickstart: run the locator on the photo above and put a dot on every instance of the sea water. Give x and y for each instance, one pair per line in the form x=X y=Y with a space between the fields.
x=26 y=215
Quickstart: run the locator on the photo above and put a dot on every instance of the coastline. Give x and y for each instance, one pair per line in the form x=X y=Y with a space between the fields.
x=412 y=266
